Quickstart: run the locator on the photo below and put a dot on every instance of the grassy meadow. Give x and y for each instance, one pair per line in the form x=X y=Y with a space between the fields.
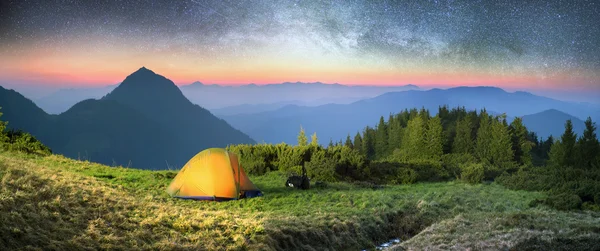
x=57 y=203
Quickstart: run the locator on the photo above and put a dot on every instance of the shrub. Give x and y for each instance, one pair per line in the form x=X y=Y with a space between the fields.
x=25 y=142
x=321 y=168
x=472 y=173
x=382 y=171
x=451 y=162
x=406 y=176
x=254 y=166
x=564 y=201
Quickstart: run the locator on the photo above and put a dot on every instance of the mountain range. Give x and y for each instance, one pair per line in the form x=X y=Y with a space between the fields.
x=63 y=99
x=336 y=121
x=308 y=94
x=148 y=122
x=230 y=100
x=145 y=122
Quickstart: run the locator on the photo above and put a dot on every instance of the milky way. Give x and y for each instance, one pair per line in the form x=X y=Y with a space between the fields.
x=390 y=42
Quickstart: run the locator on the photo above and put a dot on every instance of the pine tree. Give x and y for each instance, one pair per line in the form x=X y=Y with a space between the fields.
x=424 y=114
x=501 y=147
x=358 y=145
x=413 y=143
x=521 y=146
x=556 y=155
x=395 y=132
x=568 y=141
x=314 y=141
x=545 y=147
x=463 y=141
x=588 y=145
x=434 y=139
x=302 y=140
x=368 y=144
x=330 y=143
x=484 y=139
x=381 y=138
x=348 y=142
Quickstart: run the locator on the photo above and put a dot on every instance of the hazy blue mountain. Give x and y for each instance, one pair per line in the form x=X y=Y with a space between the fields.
x=63 y=99
x=335 y=121
x=108 y=132
x=157 y=97
x=552 y=122
x=145 y=122
x=311 y=94
x=251 y=108
x=21 y=112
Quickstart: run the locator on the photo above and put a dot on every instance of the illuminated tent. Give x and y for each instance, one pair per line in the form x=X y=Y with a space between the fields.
x=213 y=174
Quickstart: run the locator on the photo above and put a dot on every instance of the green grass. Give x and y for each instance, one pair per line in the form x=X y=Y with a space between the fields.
x=58 y=203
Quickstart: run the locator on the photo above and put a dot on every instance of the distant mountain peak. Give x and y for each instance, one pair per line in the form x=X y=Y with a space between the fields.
x=145 y=85
x=144 y=70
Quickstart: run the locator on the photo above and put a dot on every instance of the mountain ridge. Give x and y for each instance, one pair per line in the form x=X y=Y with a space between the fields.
x=354 y=117
x=146 y=120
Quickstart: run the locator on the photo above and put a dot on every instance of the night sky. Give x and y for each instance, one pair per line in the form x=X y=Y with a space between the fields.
x=513 y=44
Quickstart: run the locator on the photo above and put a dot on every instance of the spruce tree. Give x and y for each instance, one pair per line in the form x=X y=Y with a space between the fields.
x=463 y=141
x=545 y=149
x=588 y=145
x=381 y=138
x=395 y=133
x=302 y=140
x=368 y=144
x=568 y=141
x=521 y=146
x=556 y=155
x=413 y=143
x=484 y=139
x=502 y=154
x=434 y=139
x=358 y=145
x=314 y=141
x=348 y=142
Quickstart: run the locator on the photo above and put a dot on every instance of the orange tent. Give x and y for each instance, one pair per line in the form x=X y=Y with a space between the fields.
x=213 y=174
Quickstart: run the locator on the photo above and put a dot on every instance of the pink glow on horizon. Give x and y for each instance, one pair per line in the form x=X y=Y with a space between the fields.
x=43 y=77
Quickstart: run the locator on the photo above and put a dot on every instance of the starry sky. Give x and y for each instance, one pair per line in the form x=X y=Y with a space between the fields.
x=550 y=45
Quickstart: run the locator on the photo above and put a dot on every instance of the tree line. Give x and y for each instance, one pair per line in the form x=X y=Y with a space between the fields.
x=412 y=146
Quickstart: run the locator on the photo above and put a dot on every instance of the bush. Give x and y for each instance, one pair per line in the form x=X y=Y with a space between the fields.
x=254 y=166
x=564 y=201
x=472 y=173
x=24 y=142
x=452 y=162
x=406 y=176
x=428 y=170
x=321 y=168
x=382 y=171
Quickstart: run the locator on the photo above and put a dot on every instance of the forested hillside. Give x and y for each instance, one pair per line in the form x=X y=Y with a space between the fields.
x=414 y=146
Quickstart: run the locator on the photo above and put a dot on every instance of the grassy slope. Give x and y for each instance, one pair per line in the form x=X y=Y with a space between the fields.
x=59 y=203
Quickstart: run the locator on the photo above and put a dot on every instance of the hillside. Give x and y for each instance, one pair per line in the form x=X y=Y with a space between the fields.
x=57 y=203
x=336 y=121
x=63 y=99
x=552 y=122
x=22 y=112
x=145 y=122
